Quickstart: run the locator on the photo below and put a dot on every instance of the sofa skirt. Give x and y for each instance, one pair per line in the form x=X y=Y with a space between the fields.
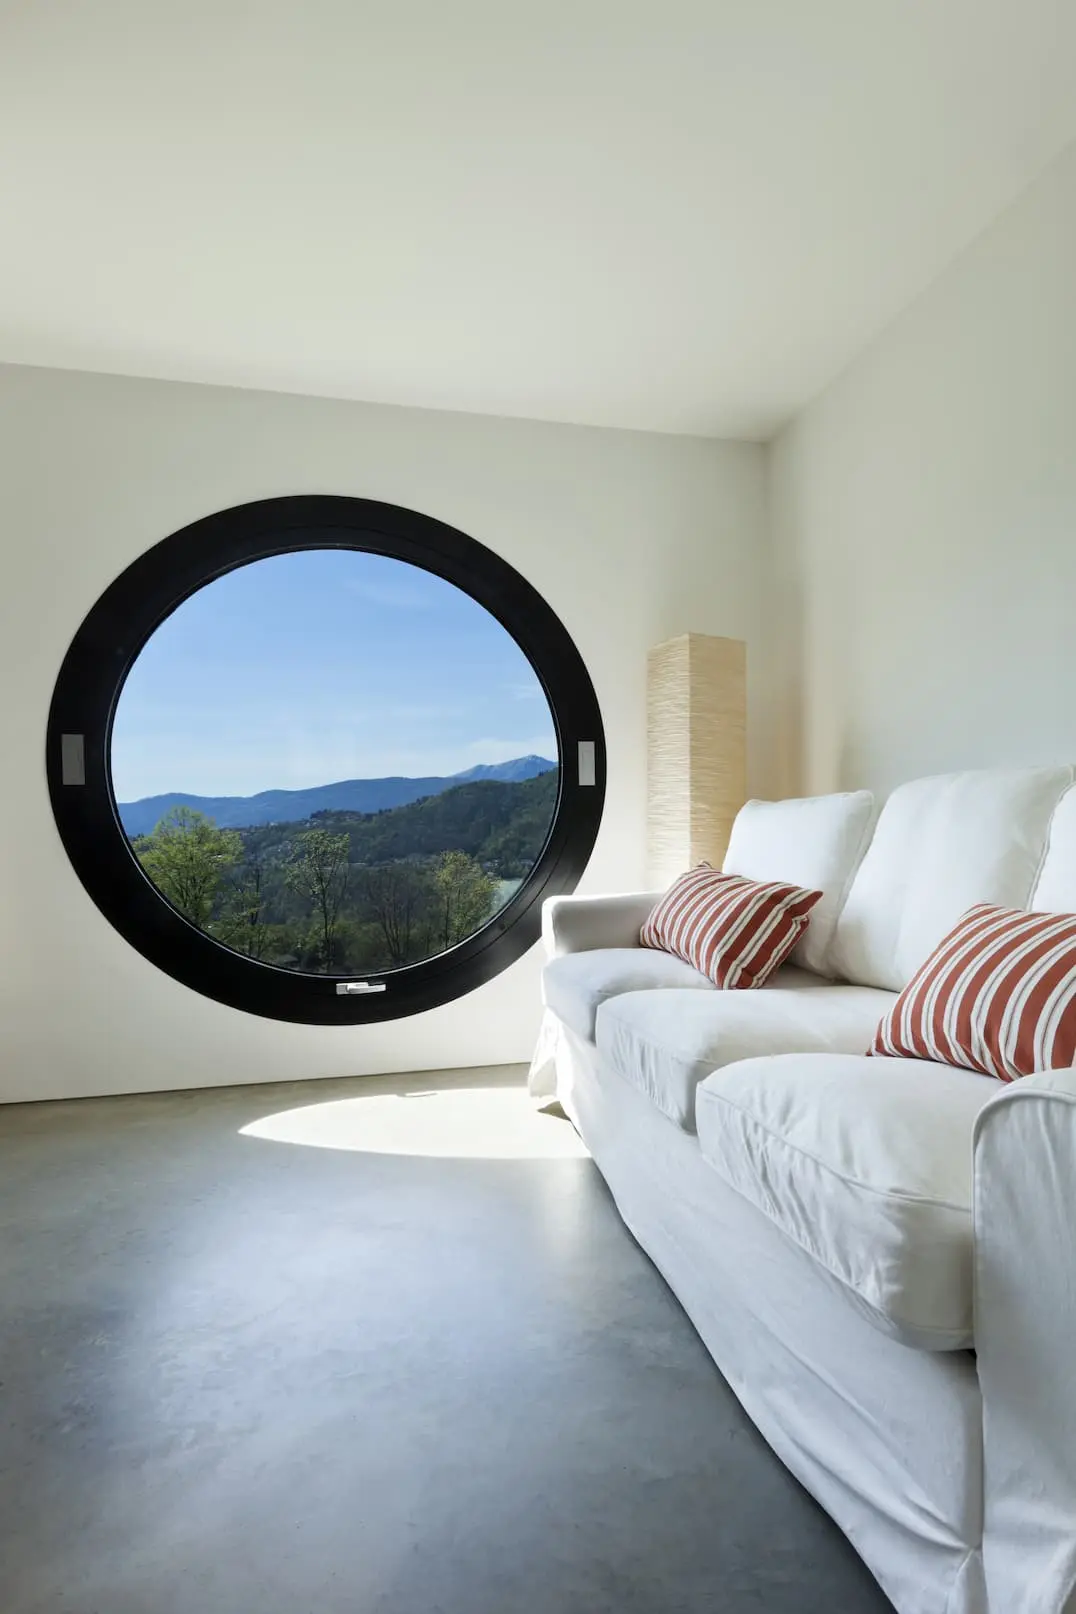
x=887 y=1438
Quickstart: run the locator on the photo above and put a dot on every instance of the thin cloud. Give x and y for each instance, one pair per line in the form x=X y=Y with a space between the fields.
x=392 y=596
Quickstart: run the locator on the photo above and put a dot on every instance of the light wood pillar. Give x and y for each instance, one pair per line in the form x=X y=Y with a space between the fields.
x=696 y=751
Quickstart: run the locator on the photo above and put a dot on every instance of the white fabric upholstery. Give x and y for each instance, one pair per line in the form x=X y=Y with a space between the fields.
x=576 y=924
x=1025 y=1322
x=842 y=1220
x=816 y=842
x=866 y=1165
x=889 y=1440
x=1055 y=889
x=666 y=1043
x=575 y=985
x=939 y=846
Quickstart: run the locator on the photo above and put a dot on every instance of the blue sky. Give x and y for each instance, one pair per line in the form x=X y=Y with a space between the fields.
x=317 y=666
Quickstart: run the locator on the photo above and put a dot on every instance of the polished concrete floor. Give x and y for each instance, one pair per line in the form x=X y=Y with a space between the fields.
x=364 y=1348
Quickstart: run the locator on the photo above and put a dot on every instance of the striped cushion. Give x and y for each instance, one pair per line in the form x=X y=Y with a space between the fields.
x=998 y=995
x=734 y=930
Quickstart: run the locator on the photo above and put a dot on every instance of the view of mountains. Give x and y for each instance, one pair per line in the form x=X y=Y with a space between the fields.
x=350 y=892
x=346 y=796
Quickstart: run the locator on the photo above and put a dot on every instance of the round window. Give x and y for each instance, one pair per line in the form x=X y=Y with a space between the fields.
x=322 y=759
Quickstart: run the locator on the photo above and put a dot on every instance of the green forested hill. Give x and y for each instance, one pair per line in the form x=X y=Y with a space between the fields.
x=344 y=891
x=503 y=826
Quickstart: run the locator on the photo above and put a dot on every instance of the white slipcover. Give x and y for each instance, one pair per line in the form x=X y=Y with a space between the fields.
x=950 y=1472
x=941 y=845
x=576 y=924
x=576 y=985
x=867 y=1165
x=1025 y=1323
x=888 y=1439
x=816 y=842
x=666 y=1043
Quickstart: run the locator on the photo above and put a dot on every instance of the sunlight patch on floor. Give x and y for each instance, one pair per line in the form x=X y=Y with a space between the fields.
x=469 y=1123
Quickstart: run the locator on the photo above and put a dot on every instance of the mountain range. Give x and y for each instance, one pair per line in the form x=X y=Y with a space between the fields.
x=346 y=796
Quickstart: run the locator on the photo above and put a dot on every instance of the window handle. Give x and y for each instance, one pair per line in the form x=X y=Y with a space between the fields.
x=353 y=988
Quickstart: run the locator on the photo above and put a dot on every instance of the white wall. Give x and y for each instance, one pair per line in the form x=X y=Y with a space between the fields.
x=923 y=515
x=631 y=537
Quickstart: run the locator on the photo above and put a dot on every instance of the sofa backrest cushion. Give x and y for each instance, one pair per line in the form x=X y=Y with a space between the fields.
x=815 y=842
x=1055 y=889
x=941 y=846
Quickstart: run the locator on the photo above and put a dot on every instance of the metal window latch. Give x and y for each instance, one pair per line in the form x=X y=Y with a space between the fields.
x=349 y=989
x=587 y=764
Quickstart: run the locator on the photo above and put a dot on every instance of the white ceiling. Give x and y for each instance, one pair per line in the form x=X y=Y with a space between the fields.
x=680 y=216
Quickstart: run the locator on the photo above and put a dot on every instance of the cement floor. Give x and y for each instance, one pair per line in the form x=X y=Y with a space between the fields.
x=311 y=1369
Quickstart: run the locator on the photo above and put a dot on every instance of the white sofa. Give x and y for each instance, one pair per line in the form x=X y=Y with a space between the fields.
x=879 y=1254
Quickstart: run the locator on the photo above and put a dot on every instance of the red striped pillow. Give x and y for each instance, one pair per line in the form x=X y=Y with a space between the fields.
x=736 y=931
x=998 y=995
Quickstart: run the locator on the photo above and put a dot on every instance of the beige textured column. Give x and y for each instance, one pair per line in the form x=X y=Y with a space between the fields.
x=696 y=751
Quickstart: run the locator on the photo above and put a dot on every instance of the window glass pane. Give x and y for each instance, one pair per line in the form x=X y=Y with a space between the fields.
x=334 y=762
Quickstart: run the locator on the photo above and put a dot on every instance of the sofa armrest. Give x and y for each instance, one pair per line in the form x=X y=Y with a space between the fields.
x=579 y=924
x=1025 y=1325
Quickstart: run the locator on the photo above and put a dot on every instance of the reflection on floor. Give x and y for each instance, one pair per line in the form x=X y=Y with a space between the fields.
x=419 y=1367
x=464 y=1123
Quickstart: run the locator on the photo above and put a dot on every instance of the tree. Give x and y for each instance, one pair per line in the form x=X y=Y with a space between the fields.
x=187 y=857
x=399 y=897
x=242 y=924
x=319 y=871
x=464 y=897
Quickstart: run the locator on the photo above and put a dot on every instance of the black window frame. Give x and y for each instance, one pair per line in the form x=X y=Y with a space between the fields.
x=112 y=637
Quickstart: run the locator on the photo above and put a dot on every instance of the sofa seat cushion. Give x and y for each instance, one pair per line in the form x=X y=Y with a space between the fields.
x=575 y=985
x=867 y=1165
x=666 y=1043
